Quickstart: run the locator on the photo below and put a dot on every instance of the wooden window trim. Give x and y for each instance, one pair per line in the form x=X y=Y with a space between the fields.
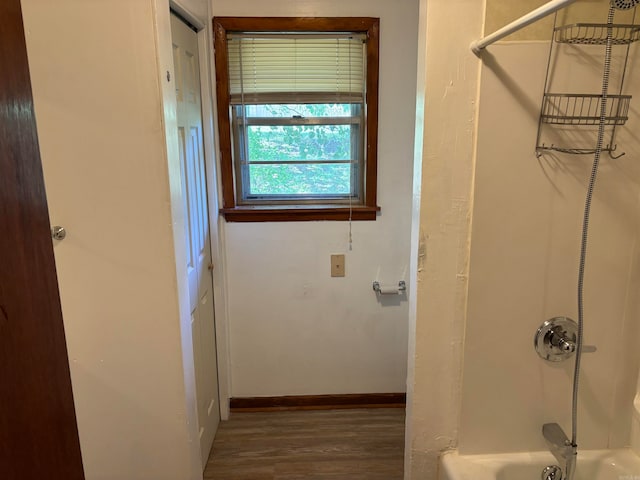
x=234 y=213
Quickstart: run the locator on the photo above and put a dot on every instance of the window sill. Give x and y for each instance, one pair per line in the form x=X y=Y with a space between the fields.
x=289 y=213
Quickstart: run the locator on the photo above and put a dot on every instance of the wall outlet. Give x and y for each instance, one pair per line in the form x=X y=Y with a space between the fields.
x=337 y=265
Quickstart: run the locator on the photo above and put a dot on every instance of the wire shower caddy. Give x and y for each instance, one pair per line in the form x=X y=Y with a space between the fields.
x=579 y=109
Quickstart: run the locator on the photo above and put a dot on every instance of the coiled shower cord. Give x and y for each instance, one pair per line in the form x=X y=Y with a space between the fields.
x=585 y=224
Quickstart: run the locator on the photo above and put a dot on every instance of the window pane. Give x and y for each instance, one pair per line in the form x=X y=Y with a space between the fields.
x=300 y=179
x=303 y=110
x=299 y=142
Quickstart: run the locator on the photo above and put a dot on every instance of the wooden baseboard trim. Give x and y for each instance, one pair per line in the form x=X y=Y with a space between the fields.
x=318 y=402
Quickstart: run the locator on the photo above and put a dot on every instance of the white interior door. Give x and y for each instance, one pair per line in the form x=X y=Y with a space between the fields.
x=199 y=266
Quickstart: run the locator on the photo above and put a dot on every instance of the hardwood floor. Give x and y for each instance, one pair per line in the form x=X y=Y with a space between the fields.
x=359 y=444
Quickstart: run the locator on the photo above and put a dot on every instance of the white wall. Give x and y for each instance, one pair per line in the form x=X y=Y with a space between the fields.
x=293 y=328
x=95 y=68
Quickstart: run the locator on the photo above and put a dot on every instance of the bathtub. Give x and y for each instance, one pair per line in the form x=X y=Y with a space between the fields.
x=592 y=465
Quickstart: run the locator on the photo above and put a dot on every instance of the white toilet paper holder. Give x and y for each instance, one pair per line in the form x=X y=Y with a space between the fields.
x=402 y=287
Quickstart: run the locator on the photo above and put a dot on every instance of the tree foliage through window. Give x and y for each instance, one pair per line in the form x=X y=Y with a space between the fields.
x=295 y=144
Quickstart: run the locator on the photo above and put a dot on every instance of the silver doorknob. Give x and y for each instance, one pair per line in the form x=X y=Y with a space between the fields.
x=58 y=232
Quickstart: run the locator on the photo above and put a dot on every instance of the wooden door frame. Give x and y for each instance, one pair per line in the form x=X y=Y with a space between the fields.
x=216 y=225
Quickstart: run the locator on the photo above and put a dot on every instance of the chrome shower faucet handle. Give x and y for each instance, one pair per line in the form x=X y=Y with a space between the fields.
x=557 y=340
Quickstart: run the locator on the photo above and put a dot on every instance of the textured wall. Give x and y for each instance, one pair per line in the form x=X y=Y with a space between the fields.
x=440 y=247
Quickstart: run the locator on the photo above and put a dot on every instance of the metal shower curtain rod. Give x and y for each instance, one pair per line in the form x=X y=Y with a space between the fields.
x=531 y=17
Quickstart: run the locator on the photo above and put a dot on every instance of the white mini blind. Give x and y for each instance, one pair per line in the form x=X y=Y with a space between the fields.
x=296 y=68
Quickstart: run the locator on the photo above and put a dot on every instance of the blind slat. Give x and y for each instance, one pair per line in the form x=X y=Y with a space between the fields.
x=297 y=64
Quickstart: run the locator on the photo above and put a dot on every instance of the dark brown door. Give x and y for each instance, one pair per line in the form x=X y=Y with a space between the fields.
x=38 y=432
